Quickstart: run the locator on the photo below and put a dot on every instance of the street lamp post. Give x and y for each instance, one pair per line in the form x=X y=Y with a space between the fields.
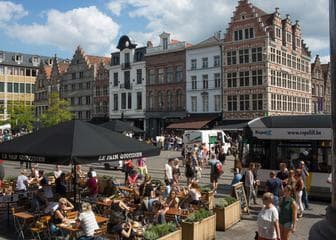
x=326 y=229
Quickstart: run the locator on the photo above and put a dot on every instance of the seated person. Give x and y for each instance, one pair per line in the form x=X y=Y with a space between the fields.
x=118 y=209
x=87 y=221
x=92 y=186
x=60 y=215
x=61 y=186
x=172 y=201
x=47 y=190
x=155 y=206
x=175 y=187
x=194 y=193
x=118 y=226
x=132 y=179
x=110 y=188
x=146 y=188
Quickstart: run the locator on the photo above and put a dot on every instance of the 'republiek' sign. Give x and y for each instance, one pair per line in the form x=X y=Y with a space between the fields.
x=289 y=133
x=120 y=156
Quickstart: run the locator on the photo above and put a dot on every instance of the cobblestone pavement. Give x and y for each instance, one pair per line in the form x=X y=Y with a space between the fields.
x=244 y=230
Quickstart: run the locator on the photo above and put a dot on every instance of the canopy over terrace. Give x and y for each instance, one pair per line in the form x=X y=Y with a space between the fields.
x=74 y=142
x=120 y=126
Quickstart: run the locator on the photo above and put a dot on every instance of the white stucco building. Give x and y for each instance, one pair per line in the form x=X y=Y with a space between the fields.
x=204 y=78
x=127 y=83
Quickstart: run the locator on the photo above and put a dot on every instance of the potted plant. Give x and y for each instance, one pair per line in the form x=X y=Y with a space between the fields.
x=208 y=196
x=227 y=212
x=200 y=225
x=163 y=232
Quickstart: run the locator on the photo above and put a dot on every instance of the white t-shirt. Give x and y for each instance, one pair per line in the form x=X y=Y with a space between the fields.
x=58 y=173
x=194 y=194
x=20 y=182
x=169 y=171
x=266 y=220
x=88 y=223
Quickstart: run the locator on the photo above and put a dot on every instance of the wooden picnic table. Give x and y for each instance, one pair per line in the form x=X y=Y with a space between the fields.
x=21 y=220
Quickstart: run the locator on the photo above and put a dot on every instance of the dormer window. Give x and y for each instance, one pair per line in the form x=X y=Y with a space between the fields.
x=165 y=43
x=36 y=60
x=2 y=56
x=18 y=58
x=50 y=61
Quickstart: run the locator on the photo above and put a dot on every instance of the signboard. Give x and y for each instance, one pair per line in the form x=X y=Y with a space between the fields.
x=293 y=133
x=240 y=195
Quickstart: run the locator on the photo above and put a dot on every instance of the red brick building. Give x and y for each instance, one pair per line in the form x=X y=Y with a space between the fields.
x=266 y=65
x=166 y=84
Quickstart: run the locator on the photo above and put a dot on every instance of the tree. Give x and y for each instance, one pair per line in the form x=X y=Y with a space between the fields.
x=21 y=116
x=58 y=111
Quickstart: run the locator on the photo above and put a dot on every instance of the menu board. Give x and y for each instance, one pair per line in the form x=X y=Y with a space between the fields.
x=240 y=195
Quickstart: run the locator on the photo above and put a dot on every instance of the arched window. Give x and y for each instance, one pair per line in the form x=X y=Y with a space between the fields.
x=151 y=100
x=170 y=100
x=179 y=99
x=160 y=101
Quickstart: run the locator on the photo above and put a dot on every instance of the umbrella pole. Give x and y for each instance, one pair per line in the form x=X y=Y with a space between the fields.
x=75 y=185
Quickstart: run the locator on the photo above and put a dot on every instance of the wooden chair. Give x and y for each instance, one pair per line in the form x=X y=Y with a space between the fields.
x=101 y=232
x=72 y=215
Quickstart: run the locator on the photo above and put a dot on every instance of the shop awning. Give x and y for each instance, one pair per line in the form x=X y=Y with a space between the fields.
x=232 y=127
x=191 y=123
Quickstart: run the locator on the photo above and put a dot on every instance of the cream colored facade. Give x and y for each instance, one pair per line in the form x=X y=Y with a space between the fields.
x=18 y=73
x=266 y=65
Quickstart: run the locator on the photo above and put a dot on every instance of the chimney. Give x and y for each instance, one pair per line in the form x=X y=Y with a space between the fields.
x=149 y=44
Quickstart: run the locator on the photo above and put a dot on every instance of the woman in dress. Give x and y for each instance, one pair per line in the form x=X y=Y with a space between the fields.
x=299 y=184
x=288 y=213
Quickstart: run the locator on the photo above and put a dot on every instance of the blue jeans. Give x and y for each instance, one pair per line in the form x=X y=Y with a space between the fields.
x=305 y=197
x=276 y=201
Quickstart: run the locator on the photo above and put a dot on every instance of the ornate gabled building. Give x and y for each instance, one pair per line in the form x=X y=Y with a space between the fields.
x=266 y=65
x=48 y=81
x=77 y=84
x=321 y=87
x=101 y=91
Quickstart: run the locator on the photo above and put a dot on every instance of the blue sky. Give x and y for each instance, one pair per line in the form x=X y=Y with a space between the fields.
x=46 y=27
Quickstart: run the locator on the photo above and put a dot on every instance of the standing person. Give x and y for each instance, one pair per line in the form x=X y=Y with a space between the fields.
x=128 y=167
x=215 y=171
x=274 y=186
x=22 y=181
x=256 y=182
x=292 y=182
x=169 y=175
x=221 y=155
x=143 y=171
x=249 y=183
x=268 y=220
x=87 y=221
x=189 y=169
x=288 y=214
x=299 y=184
x=176 y=170
x=305 y=175
x=283 y=174
x=57 y=172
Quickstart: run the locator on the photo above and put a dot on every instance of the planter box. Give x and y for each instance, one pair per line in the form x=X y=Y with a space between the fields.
x=177 y=235
x=203 y=230
x=209 y=197
x=227 y=217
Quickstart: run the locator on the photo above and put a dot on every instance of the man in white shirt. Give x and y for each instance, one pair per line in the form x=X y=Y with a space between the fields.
x=57 y=172
x=169 y=175
x=22 y=181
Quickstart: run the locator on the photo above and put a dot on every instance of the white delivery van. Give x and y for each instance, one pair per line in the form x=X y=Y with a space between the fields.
x=209 y=137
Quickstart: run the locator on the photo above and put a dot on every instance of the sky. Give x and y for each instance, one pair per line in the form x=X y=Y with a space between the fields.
x=49 y=27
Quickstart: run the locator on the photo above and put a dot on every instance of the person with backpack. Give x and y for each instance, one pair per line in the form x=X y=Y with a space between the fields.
x=216 y=169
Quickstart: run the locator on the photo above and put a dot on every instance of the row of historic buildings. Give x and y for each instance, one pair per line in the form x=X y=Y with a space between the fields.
x=260 y=67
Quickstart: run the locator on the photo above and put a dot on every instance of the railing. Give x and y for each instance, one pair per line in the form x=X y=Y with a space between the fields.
x=125 y=66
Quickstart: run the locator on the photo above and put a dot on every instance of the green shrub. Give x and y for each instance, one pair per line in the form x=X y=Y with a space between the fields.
x=49 y=174
x=206 y=188
x=198 y=215
x=10 y=179
x=225 y=201
x=160 y=230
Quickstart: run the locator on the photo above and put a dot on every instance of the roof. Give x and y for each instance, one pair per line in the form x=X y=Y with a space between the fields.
x=296 y=121
x=211 y=41
x=63 y=67
x=259 y=11
x=268 y=19
x=97 y=59
x=191 y=123
x=27 y=59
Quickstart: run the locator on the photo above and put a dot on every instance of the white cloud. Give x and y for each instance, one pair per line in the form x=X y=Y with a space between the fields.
x=325 y=59
x=115 y=7
x=88 y=27
x=195 y=20
x=10 y=11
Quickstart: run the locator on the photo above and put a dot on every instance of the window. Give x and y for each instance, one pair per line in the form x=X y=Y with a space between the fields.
x=257 y=102
x=151 y=76
x=28 y=88
x=1 y=57
x=115 y=60
x=170 y=74
x=289 y=38
x=285 y=103
x=232 y=103
x=170 y=100
x=115 y=79
x=193 y=82
x=249 y=33
x=244 y=102
x=273 y=77
x=72 y=101
x=80 y=86
x=139 y=100
x=194 y=104
x=298 y=42
x=218 y=105
x=179 y=73
x=232 y=58
x=283 y=58
x=129 y=101
x=123 y=101
x=73 y=87
x=2 y=71
x=151 y=100
x=279 y=108
x=79 y=115
x=115 y=102
x=160 y=76
x=238 y=35
x=257 y=78
x=278 y=56
x=216 y=61
x=139 y=76
x=278 y=32
x=290 y=103
x=193 y=64
x=81 y=74
x=284 y=80
x=232 y=79
x=2 y=86
x=205 y=100
x=244 y=78
x=165 y=43
x=272 y=55
x=73 y=76
x=88 y=100
x=16 y=87
x=293 y=62
x=127 y=79
x=127 y=58
x=9 y=87
x=273 y=102
x=160 y=100
x=88 y=85
x=205 y=62
x=244 y=56
x=205 y=81
x=79 y=101
x=179 y=99
x=289 y=60
x=217 y=80
x=257 y=54
x=18 y=58
x=278 y=80
x=87 y=114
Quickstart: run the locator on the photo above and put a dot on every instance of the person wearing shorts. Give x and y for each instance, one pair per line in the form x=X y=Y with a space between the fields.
x=288 y=214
